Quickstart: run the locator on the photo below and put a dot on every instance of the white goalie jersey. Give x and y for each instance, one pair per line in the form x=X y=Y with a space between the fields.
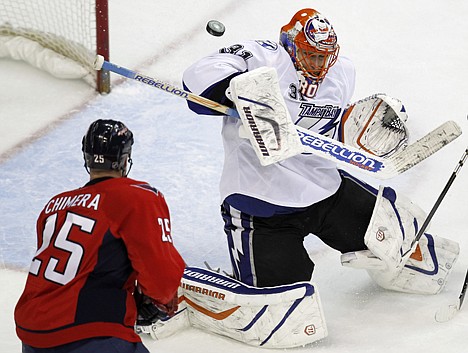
x=298 y=181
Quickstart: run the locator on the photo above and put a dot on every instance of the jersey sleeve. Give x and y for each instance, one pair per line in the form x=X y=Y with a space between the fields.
x=145 y=229
x=210 y=76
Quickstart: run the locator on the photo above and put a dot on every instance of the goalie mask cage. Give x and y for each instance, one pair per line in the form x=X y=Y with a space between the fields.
x=62 y=37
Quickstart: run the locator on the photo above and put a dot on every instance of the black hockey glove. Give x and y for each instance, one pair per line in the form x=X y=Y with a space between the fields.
x=148 y=311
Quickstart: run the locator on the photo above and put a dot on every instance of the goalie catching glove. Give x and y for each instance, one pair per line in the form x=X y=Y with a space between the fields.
x=375 y=124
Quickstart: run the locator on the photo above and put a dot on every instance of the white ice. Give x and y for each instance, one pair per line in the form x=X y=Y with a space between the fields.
x=413 y=50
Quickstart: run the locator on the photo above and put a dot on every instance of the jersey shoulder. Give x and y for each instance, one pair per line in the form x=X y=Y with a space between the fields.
x=344 y=67
x=133 y=188
x=265 y=53
x=342 y=76
x=124 y=192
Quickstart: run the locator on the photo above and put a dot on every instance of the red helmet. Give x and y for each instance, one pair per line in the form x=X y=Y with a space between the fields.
x=311 y=42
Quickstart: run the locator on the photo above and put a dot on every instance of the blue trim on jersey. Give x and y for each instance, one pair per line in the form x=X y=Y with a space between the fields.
x=103 y=297
x=240 y=260
x=259 y=208
x=362 y=184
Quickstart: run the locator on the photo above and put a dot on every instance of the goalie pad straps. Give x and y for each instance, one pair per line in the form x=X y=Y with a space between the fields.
x=274 y=317
x=265 y=118
x=375 y=124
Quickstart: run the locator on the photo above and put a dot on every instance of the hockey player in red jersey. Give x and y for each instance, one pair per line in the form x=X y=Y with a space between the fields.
x=98 y=245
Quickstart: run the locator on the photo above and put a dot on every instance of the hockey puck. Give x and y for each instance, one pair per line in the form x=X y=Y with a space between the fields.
x=215 y=28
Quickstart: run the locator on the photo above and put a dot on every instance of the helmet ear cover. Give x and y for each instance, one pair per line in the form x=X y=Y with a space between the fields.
x=107 y=145
x=311 y=41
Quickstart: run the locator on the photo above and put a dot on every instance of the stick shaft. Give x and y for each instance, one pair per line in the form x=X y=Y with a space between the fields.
x=439 y=199
x=170 y=89
x=463 y=291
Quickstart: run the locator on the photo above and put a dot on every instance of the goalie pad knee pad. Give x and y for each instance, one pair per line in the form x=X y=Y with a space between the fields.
x=394 y=224
x=273 y=317
x=426 y=270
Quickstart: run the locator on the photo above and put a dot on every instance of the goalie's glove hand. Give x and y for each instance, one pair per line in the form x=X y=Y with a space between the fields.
x=376 y=124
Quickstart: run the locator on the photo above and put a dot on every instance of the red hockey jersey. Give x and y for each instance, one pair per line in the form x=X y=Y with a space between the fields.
x=93 y=243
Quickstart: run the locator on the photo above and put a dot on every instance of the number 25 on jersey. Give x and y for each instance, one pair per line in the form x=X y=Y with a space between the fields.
x=165 y=229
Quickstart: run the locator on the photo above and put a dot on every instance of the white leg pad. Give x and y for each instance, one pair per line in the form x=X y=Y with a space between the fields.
x=169 y=326
x=274 y=317
x=393 y=227
x=389 y=261
x=426 y=270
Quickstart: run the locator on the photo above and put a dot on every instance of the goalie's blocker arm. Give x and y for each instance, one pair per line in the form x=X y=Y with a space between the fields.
x=259 y=111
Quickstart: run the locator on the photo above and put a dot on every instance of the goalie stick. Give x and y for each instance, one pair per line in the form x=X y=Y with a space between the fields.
x=325 y=147
x=380 y=167
x=428 y=219
x=446 y=313
x=101 y=64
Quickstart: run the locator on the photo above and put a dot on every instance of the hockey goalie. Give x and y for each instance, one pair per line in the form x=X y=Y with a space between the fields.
x=259 y=312
x=268 y=210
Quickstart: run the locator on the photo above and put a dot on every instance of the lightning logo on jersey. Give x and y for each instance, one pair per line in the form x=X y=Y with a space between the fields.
x=268 y=44
x=311 y=115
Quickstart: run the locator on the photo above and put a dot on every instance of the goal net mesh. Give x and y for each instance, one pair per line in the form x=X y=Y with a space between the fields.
x=66 y=27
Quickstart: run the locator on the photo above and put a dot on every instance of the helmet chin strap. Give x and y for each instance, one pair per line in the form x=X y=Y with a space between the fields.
x=130 y=163
x=86 y=167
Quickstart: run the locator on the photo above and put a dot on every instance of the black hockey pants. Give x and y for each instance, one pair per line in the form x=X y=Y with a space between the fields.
x=270 y=251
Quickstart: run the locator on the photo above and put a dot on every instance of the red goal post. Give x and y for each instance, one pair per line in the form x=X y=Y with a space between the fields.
x=62 y=37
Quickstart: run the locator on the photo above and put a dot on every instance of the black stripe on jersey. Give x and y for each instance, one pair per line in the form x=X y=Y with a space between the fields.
x=102 y=298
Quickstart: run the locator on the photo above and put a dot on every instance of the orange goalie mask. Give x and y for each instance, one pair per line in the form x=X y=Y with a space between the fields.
x=311 y=42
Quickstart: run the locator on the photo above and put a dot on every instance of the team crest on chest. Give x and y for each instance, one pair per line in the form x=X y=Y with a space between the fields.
x=323 y=117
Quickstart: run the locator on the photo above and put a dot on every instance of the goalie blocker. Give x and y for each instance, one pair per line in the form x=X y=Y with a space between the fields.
x=274 y=317
x=265 y=119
